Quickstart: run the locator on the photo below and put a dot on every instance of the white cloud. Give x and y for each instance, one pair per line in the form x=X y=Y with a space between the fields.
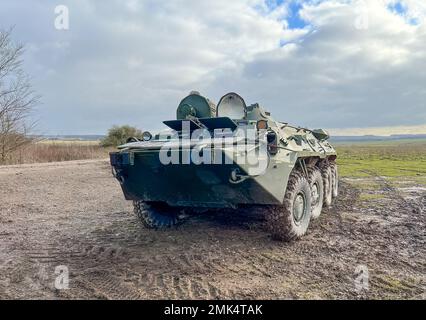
x=131 y=62
x=340 y=76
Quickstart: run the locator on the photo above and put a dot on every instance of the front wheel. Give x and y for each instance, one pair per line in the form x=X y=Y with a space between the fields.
x=156 y=215
x=291 y=220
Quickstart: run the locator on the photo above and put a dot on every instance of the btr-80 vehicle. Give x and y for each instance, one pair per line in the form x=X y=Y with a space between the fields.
x=228 y=156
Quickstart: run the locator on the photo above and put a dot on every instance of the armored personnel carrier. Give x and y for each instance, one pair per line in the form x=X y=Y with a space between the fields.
x=228 y=156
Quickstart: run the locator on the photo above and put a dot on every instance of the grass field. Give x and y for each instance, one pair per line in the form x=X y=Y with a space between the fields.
x=402 y=158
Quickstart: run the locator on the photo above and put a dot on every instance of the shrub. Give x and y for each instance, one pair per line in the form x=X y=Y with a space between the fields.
x=119 y=134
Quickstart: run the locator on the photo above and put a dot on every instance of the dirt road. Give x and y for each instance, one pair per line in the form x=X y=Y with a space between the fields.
x=73 y=215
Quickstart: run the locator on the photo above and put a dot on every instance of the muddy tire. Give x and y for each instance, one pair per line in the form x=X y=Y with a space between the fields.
x=327 y=178
x=156 y=215
x=317 y=191
x=335 y=184
x=291 y=220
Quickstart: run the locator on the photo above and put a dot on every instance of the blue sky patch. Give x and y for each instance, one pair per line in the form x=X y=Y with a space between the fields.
x=397 y=8
x=400 y=8
x=294 y=6
x=294 y=20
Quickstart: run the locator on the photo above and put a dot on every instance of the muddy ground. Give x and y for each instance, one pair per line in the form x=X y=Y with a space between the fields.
x=73 y=214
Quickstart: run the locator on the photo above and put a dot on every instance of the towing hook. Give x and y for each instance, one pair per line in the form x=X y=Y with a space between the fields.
x=236 y=177
x=117 y=175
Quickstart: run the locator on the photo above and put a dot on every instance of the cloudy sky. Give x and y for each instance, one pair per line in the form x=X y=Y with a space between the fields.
x=331 y=63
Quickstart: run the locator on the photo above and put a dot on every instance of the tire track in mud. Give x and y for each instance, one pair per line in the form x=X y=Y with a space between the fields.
x=175 y=278
x=100 y=284
x=416 y=206
x=165 y=275
x=407 y=227
x=151 y=280
x=169 y=275
x=169 y=286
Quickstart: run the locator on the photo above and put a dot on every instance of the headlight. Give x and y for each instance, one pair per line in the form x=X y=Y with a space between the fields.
x=146 y=136
x=262 y=124
x=231 y=105
x=272 y=139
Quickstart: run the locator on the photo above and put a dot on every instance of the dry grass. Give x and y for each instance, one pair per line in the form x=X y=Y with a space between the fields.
x=57 y=150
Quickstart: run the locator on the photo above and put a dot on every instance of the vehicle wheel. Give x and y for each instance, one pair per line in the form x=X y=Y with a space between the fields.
x=291 y=220
x=328 y=183
x=317 y=191
x=156 y=215
x=335 y=174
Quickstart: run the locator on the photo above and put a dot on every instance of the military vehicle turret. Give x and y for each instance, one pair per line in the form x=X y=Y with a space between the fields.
x=228 y=156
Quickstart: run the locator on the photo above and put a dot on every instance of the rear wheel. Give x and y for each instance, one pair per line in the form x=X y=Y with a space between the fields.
x=317 y=191
x=327 y=178
x=335 y=175
x=156 y=215
x=291 y=220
